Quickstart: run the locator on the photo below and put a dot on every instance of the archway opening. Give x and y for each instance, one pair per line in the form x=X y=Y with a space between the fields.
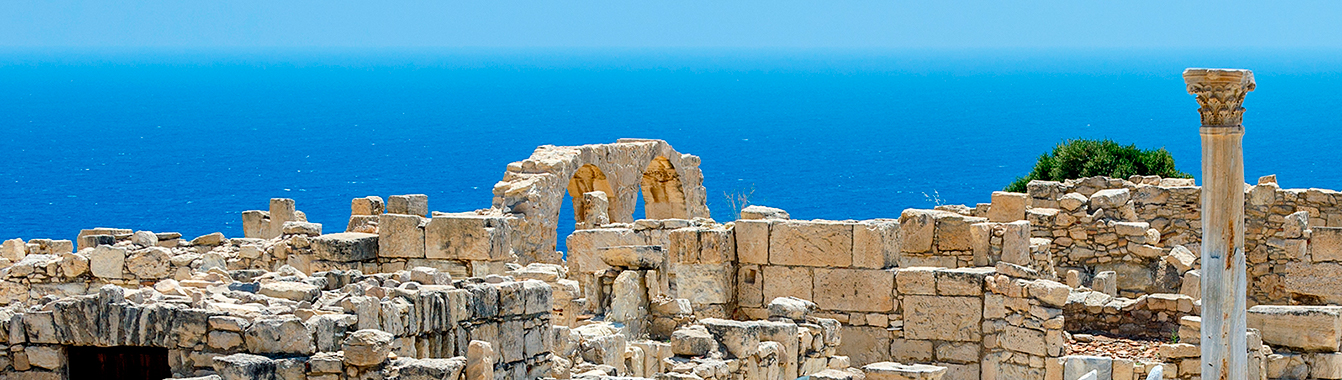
x=663 y=197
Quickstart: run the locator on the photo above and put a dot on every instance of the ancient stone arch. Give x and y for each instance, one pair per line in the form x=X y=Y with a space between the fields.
x=588 y=178
x=532 y=190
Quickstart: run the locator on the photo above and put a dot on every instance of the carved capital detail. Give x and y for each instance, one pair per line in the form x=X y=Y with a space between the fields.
x=1221 y=93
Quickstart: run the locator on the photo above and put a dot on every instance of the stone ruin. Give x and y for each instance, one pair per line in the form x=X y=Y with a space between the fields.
x=1008 y=289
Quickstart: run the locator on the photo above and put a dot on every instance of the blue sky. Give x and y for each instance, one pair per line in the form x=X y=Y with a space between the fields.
x=683 y=24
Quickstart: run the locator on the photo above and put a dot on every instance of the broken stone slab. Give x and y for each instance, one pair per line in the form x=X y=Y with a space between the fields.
x=279 y=335
x=897 y=371
x=107 y=261
x=1007 y=207
x=480 y=358
x=793 y=308
x=302 y=228
x=466 y=236
x=1181 y=258
x=371 y=205
x=1109 y=199
x=346 y=247
x=244 y=367
x=144 y=239
x=1310 y=328
x=289 y=290
x=739 y=339
x=633 y=256
x=430 y=369
x=692 y=341
x=366 y=348
x=1105 y=282
x=755 y=212
x=209 y=240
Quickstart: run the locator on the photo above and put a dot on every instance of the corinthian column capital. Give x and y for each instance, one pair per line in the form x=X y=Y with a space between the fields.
x=1220 y=92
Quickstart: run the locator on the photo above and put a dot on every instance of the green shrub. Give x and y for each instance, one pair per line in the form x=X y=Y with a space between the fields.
x=1082 y=158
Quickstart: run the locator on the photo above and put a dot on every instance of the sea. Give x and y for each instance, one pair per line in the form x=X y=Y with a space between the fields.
x=184 y=140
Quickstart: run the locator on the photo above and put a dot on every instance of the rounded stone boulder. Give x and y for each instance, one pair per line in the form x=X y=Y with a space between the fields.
x=367 y=347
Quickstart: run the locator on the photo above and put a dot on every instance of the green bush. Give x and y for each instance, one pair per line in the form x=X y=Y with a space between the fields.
x=1082 y=158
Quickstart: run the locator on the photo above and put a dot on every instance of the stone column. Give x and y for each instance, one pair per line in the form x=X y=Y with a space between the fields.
x=1220 y=92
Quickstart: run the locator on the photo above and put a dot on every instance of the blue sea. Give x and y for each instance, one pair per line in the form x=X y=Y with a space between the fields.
x=184 y=140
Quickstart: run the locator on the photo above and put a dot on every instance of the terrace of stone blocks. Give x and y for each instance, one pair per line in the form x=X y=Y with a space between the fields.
x=1023 y=286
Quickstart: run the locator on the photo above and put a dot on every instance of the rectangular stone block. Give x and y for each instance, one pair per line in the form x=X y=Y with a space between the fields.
x=1025 y=340
x=916 y=229
x=400 y=236
x=1007 y=207
x=1310 y=328
x=961 y=281
x=752 y=241
x=583 y=245
x=864 y=344
x=911 y=351
x=916 y=280
x=345 y=247
x=703 y=283
x=410 y=204
x=683 y=245
x=854 y=289
x=367 y=206
x=942 y=318
x=952 y=232
x=251 y=223
x=876 y=244
x=781 y=281
x=465 y=236
x=749 y=286
x=958 y=352
x=815 y=243
x=716 y=246
x=281 y=210
x=1326 y=244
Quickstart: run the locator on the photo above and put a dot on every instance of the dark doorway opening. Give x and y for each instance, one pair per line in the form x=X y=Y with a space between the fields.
x=108 y=363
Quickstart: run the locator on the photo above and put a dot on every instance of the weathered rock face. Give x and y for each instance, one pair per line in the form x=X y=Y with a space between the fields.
x=107 y=262
x=346 y=247
x=412 y=204
x=896 y=371
x=942 y=318
x=279 y=335
x=400 y=236
x=467 y=236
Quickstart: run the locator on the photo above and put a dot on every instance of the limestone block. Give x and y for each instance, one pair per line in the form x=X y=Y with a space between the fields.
x=916 y=280
x=854 y=289
x=793 y=308
x=597 y=208
x=1131 y=228
x=225 y=340
x=1326 y=365
x=896 y=371
x=865 y=344
x=400 y=236
x=362 y=223
x=346 y=247
x=252 y=224
x=289 y=290
x=1302 y=327
x=704 y=283
x=958 y=352
x=906 y=350
x=429 y=369
x=480 y=358
x=1109 y=199
x=1130 y=275
x=749 y=286
x=281 y=210
x=942 y=318
x=1025 y=340
x=1007 y=207
x=1051 y=293
x=244 y=367
x=371 y=205
x=916 y=230
x=144 y=239
x=107 y=261
x=1192 y=284
x=583 y=245
x=739 y=339
x=366 y=348
x=629 y=303
x=1178 y=351
x=952 y=232
x=1016 y=243
x=46 y=357
x=13 y=250
x=876 y=244
x=279 y=335
x=1326 y=244
x=150 y=263
x=961 y=281
x=815 y=243
x=633 y=256
x=1314 y=279
x=716 y=246
x=302 y=228
x=780 y=281
x=1072 y=201
x=211 y=240
x=752 y=241
x=411 y=204
x=837 y=374
x=693 y=340
x=755 y=212
x=466 y=236
x=1181 y=258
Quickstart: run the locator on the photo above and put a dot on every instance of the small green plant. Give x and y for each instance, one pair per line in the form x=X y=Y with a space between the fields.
x=1174 y=337
x=1080 y=158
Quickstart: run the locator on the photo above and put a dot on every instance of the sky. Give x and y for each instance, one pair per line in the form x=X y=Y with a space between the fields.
x=1162 y=24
